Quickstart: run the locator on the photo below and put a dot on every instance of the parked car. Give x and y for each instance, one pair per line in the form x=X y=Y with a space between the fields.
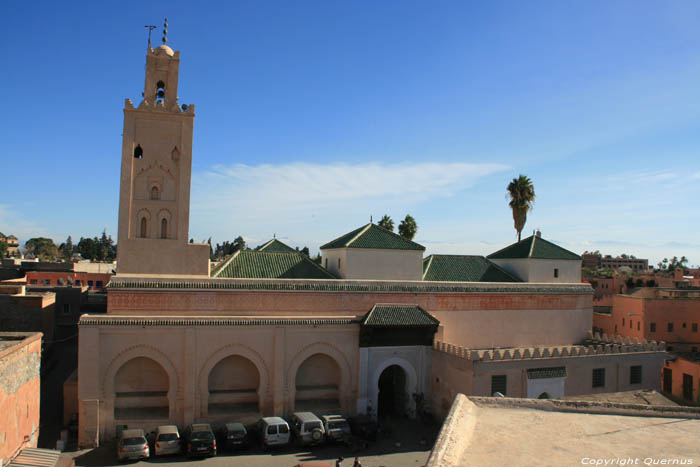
x=272 y=431
x=336 y=427
x=132 y=444
x=307 y=428
x=200 y=440
x=364 y=427
x=233 y=436
x=167 y=440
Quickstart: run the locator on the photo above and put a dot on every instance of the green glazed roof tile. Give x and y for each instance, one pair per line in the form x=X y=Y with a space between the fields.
x=373 y=236
x=252 y=264
x=398 y=315
x=464 y=268
x=275 y=246
x=534 y=247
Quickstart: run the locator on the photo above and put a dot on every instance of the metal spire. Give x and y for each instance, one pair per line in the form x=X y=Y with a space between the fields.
x=150 y=28
x=165 y=31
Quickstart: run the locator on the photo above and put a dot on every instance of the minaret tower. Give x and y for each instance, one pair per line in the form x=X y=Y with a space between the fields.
x=154 y=197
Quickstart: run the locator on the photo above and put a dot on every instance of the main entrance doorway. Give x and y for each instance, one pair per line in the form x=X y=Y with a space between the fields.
x=393 y=396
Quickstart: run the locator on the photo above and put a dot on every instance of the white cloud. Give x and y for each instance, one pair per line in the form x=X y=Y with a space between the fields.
x=259 y=200
x=13 y=223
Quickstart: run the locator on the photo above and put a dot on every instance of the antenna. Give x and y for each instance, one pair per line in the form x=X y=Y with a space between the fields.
x=150 y=28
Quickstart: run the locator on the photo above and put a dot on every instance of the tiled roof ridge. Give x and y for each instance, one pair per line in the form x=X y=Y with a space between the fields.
x=339 y=285
x=426 y=319
x=262 y=247
x=222 y=266
x=365 y=229
x=532 y=246
x=427 y=268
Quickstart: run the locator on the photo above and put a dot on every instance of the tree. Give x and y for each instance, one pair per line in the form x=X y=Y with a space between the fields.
x=408 y=227
x=3 y=247
x=42 y=248
x=305 y=251
x=239 y=244
x=522 y=196
x=66 y=249
x=386 y=222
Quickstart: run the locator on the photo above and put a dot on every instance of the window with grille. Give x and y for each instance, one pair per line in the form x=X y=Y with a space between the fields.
x=636 y=374
x=598 y=377
x=695 y=327
x=670 y=327
x=652 y=327
x=498 y=384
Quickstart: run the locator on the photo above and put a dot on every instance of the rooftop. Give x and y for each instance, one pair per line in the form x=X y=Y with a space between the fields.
x=275 y=246
x=522 y=432
x=464 y=268
x=10 y=339
x=389 y=315
x=253 y=264
x=373 y=236
x=534 y=247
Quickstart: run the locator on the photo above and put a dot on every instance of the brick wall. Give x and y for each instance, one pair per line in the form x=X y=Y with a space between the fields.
x=19 y=395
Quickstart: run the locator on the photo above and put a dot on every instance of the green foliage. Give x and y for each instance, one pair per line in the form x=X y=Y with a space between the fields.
x=408 y=227
x=522 y=196
x=66 y=249
x=3 y=247
x=228 y=248
x=97 y=249
x=651 y=283
x=386 y=222
x=305 y=251
x=43 y=248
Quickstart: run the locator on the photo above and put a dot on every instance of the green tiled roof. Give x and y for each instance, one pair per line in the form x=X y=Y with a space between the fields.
x=252 y=264
x=534 y=247
x=398 y=315
x=539 y=373
x=373 y=236
x=463 y=268
x=275 y=246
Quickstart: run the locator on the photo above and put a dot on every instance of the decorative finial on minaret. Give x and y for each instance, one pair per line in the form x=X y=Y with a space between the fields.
x=150 y=28
x=370 y=219
x=165 y=31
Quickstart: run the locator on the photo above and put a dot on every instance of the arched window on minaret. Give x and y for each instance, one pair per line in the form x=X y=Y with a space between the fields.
x=144 y=227
x=138 y=152
x=160 y=92
x=155 y=194
x=164 y=228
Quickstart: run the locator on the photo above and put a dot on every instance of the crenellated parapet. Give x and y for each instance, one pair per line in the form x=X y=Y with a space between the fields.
x=595 y=346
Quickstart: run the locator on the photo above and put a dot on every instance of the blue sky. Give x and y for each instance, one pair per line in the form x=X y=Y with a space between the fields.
x=312 y=116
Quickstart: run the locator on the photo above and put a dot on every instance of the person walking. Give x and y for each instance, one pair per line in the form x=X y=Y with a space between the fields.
x=339 y=462
x=357 y=462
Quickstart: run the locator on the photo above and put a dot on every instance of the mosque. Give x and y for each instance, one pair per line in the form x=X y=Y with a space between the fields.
x=375 y=328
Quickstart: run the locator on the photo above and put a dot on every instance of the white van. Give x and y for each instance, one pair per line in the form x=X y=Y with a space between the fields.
x=273 y=431
x=167 y=440
x=307 y=428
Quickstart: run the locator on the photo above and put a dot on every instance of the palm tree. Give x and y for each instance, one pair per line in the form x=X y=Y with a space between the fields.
x=408 y=227
x=522 y=196
x=386 y=222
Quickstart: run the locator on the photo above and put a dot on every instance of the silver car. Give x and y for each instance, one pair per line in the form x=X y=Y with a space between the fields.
x=167 y=440
x=132 y=445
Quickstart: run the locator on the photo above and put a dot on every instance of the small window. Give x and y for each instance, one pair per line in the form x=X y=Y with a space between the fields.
x=684 y=325
x=46 y=281
x=339 y=264
x=155 y=193
x=164 y=228
x=639 y=328
x=326 y=263
x=631 y=324
x=694 y=327
x=144 y=227
x=623 y=321
x=66 y=308
x=99 y=284
x=616 y=328
x=670 y=327
x=33 y=281
x=652 y=327
x=138 y=152
x=556 y=272
x=77 y=282
x=636 y=374
x=90 y=283
x=499 y=384
x=598 y=377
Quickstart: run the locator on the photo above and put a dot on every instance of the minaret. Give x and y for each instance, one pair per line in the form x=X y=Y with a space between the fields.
x=154 y=196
